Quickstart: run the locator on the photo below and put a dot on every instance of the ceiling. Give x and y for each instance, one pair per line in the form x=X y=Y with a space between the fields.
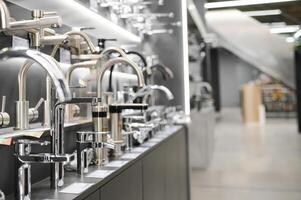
x=290 y=12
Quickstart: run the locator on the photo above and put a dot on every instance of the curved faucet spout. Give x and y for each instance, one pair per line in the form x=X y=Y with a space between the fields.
x=46 y=62
x=112 y=62
x=5 y=15
x=146 y=91
x=84 y=64
x=165 y=71
x=78 y=33
x=113 y=50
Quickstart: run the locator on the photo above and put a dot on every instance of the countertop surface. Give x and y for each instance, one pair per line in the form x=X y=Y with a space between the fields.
x=79 y=187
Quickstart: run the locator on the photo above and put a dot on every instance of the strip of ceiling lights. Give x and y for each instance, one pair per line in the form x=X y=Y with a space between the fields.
x=239 y=3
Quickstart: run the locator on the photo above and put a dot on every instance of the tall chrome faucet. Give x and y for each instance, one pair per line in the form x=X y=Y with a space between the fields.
x=63 y=94
x=22 y=107
x=115 y=109
x=84 y=64
x=28 y=63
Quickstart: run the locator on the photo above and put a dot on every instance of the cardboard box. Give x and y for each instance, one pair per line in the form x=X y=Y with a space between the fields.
x=250 y=102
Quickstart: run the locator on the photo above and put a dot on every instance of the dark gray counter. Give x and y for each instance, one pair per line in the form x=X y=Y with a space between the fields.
x=158 y=169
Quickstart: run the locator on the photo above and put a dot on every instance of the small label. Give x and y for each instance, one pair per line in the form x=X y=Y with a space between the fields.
x=76 y=188
x=140 y=149
x=94 y=5
x=130 y=156
x=100 y=174
x=65 y=56
x=155 y=140
x=117 y=163
x=20 y=42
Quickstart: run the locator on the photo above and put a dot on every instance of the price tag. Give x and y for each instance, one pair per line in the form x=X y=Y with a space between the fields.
x=130 y=156
x=100 y=174
x=76 y=188
x=65 y=56
x=117 y=163
x=20 y=42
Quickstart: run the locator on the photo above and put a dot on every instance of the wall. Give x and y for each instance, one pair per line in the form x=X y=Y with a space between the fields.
x=234 y=72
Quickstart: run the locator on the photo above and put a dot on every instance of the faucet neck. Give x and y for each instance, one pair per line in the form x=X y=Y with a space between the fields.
x=112 y=62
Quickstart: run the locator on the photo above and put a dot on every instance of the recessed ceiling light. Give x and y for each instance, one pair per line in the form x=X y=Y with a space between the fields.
x=238 y=3
x=285 y=29
x=260 y=13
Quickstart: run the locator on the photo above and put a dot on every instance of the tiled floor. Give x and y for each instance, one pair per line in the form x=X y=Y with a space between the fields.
x=251 y=162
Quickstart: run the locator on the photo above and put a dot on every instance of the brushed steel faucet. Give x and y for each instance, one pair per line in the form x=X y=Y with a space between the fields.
x=150 y=71
x=81 y=35
x=99 y=113
x=88 y=64
x=84 y=64
x=60 y=39
x=8 y=25
x=22 y=106
x=146 y=91
x=57 y=156
x=109 y=64
x=115 y=109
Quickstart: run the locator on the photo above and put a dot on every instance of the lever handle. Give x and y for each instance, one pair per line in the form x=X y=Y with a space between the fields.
x=50 y=13
x=3 y=104
x=33 y=142
x=40 y=13
x=39 y=104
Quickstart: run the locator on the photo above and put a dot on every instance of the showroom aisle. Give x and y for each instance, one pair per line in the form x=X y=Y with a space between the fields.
x=251 y=162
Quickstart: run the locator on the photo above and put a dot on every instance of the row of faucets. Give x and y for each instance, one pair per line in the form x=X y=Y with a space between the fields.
x=113 y=129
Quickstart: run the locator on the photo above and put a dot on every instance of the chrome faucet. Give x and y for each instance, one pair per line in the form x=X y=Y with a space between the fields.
x=8 y=25
x=82 y=35
x=84 y=64
x=145 y=92
x=22 y=106
x=57 y=126
x=47 y=63
x=115 y=109
x=88 y=64
x=149 y=72
x=100 y=117
x=109 y=64
x=28 y=63
x=26 y=158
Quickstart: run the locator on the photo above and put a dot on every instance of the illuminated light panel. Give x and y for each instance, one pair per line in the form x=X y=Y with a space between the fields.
x=238 y=3
x=261 y=13
x=285 y=29
x=185 y=58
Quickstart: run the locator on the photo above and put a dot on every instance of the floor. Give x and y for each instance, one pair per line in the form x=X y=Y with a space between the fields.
x=251 y=162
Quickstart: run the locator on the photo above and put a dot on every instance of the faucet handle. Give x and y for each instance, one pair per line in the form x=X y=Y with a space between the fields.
x=50 y=13
x=33 y=113
x=3 y=104
x=4 y=118
x=33 y=142
x=39 y=104
x=40 y=13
